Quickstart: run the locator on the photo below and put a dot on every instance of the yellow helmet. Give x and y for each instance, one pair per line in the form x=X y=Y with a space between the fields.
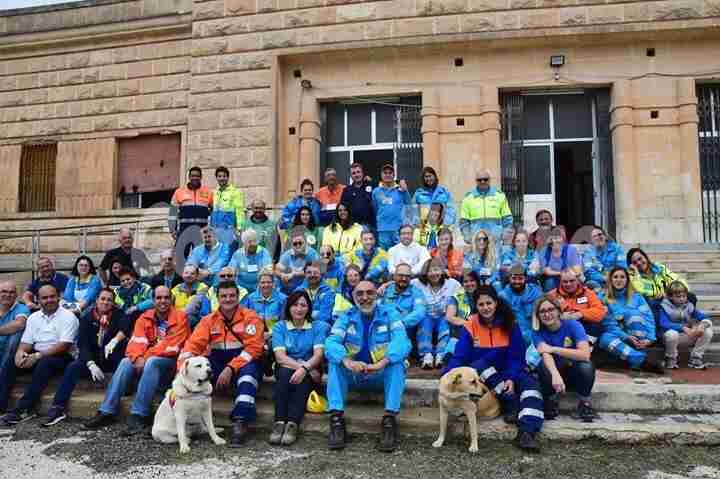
x=316 y=403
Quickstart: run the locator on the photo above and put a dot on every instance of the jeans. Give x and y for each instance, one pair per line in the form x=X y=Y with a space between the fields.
x=246 y=383
x=73 y=373
x=579 y=376
x=290 y=399
x=156 y=369
x=43 y=371
x=7 y=368
x=390 y=379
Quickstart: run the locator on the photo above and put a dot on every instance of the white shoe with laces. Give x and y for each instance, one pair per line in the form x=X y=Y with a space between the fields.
x=427 y=362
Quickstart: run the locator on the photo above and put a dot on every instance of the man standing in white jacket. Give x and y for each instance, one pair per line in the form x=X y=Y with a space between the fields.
x=407 y=251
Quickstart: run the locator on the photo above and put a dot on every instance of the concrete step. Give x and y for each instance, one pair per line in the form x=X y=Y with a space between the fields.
x=709 y=303
x=424 y=421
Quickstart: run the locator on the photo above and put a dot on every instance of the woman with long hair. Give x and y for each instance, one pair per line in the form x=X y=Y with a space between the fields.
x=84 y=286
x=629 y=326
x=426 y=233
x=651 y=279
x=483 y=260
x=429 y=193
x=459 y=309
x=451 y=258
x=299 y=345
x=493 y=345
x=343 y=234
x=344 y=298
x=521 y=254
x=556 y=257
x=438 y=290
x=304 y=218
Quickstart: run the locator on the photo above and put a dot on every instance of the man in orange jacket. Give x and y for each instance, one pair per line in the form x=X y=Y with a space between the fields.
x=151 y=354
x=234 y=337
x=580 y=303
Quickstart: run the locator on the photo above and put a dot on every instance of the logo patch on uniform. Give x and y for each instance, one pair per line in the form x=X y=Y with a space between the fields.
x=582 y=300
x=567 y=342
x=351 y=329
x=250 y=329
x=368 y=189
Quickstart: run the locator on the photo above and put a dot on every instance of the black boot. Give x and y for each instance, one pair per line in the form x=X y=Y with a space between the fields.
x=510 y=415
x=336 y=437
x=527 y=441
x=551 y=407
x=389 y=434
x=135 y=425
x=652 y=366
x=239 y=434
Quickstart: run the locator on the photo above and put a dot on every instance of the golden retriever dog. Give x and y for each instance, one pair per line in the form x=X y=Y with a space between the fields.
x=186 y=410
x=462 y=391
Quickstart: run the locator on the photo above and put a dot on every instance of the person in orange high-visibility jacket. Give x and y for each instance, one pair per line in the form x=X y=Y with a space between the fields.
x=232 y=338
x=580 y=303
x=158 y=337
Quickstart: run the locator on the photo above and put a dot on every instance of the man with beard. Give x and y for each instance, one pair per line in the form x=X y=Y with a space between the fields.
x=357 y=196
x=228 y=212
x=321 y=294
x=262 y=225
x=521 y=297
x=190 y=205
x=366 y=349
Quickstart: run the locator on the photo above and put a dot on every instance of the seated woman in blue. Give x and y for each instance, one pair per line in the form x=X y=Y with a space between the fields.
x=344 y=297
x=290 y=269
x=492 y=343
x=629 y=325
x=459 y=309
x=521 y=254
x=432 y=193
x=83 y=287
x=304 y=218
x=565 y=364
x=483 y=259
x=556 y=257
x=299 y=345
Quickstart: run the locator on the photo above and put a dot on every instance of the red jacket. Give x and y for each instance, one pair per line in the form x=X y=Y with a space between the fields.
x=148 y=341
x=245 y=332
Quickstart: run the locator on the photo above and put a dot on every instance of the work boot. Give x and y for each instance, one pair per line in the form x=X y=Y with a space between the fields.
x=277 y=433
x=585 y=411
x=336 y=437
x=135 y=425
x=527 y=441
x=389 y=434
x=551 y=407
x=510 y=415
x=99 y=421
x=652 y=366
x=239 y=434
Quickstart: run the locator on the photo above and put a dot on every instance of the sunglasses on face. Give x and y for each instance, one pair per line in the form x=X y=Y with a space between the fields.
x=297 y=243
x=326 y=255
x=484 y=180
x=226 y=276
x=482 y=238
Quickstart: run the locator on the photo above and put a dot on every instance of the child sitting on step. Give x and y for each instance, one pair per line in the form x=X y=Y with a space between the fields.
x=682 y=324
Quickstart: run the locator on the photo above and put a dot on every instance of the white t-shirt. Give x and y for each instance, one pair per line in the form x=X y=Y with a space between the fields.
x=44 y=332
x=413 y=254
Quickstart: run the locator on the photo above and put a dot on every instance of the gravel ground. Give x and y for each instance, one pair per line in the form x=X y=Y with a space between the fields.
x=67 y=452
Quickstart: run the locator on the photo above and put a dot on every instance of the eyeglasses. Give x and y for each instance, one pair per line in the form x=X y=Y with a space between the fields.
x=297 y=243
x=226 y=276
x=326 y=255
x=482 y=238
x=368 y=293
x=484 y=180
x=401 y=275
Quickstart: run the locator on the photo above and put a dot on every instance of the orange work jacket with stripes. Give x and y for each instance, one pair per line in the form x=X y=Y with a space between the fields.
x=153 y=337
x=185 y=196
x=244 y=332
x=583 y=301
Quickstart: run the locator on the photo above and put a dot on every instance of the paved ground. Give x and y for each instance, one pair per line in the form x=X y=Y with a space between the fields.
x=67 y=452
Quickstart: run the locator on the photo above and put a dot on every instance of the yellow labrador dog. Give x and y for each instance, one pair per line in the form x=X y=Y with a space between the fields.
x=186 y=410
x=462 y=391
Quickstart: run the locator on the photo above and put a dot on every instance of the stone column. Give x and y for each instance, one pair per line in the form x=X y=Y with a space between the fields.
x=431 y=130
x=624 y=160
x=309 y=161
x=490 y=130
x=691 y=186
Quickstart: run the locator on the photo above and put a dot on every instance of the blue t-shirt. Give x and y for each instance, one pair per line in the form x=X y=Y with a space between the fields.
x=58 y=280
x=18 y=309
x=293 y=262
x=364 y=353
x=298 y=343
x=555 y=262
x=571 y=332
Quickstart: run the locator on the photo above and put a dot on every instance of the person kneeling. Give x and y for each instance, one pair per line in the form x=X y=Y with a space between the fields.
x=367 y=348
x=565 y=365
x=298 y=344
x=234 y=336
x=151 y=353
x=492 y=343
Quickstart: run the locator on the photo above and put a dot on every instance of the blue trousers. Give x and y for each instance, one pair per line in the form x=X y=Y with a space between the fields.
x=247 y=379
x=526 y=399
x=388 y=239
x=157 y=370
x=43 y=371
x=391 y=380
x=7 y=369
x=290 y=399
x=433 y=325
x=579 y=376
x=78 y=369
x=611 y=341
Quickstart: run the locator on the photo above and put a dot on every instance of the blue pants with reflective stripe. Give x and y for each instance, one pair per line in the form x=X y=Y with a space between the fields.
x=612 y=342
x=390 y=380
x=526 y=399
x=428 y=326
x=247 y=380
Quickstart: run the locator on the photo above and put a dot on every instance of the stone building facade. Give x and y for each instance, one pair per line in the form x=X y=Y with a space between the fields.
x=225 y=78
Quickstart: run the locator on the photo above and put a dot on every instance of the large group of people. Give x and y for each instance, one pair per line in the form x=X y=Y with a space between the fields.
x=356 y=282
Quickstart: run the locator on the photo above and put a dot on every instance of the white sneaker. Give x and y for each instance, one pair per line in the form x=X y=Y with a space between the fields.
x=427 y=362
x=439 y=360
x=671 y=363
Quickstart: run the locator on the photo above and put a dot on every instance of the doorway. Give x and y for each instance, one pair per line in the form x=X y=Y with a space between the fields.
x=373 y=161
x=574 y=192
